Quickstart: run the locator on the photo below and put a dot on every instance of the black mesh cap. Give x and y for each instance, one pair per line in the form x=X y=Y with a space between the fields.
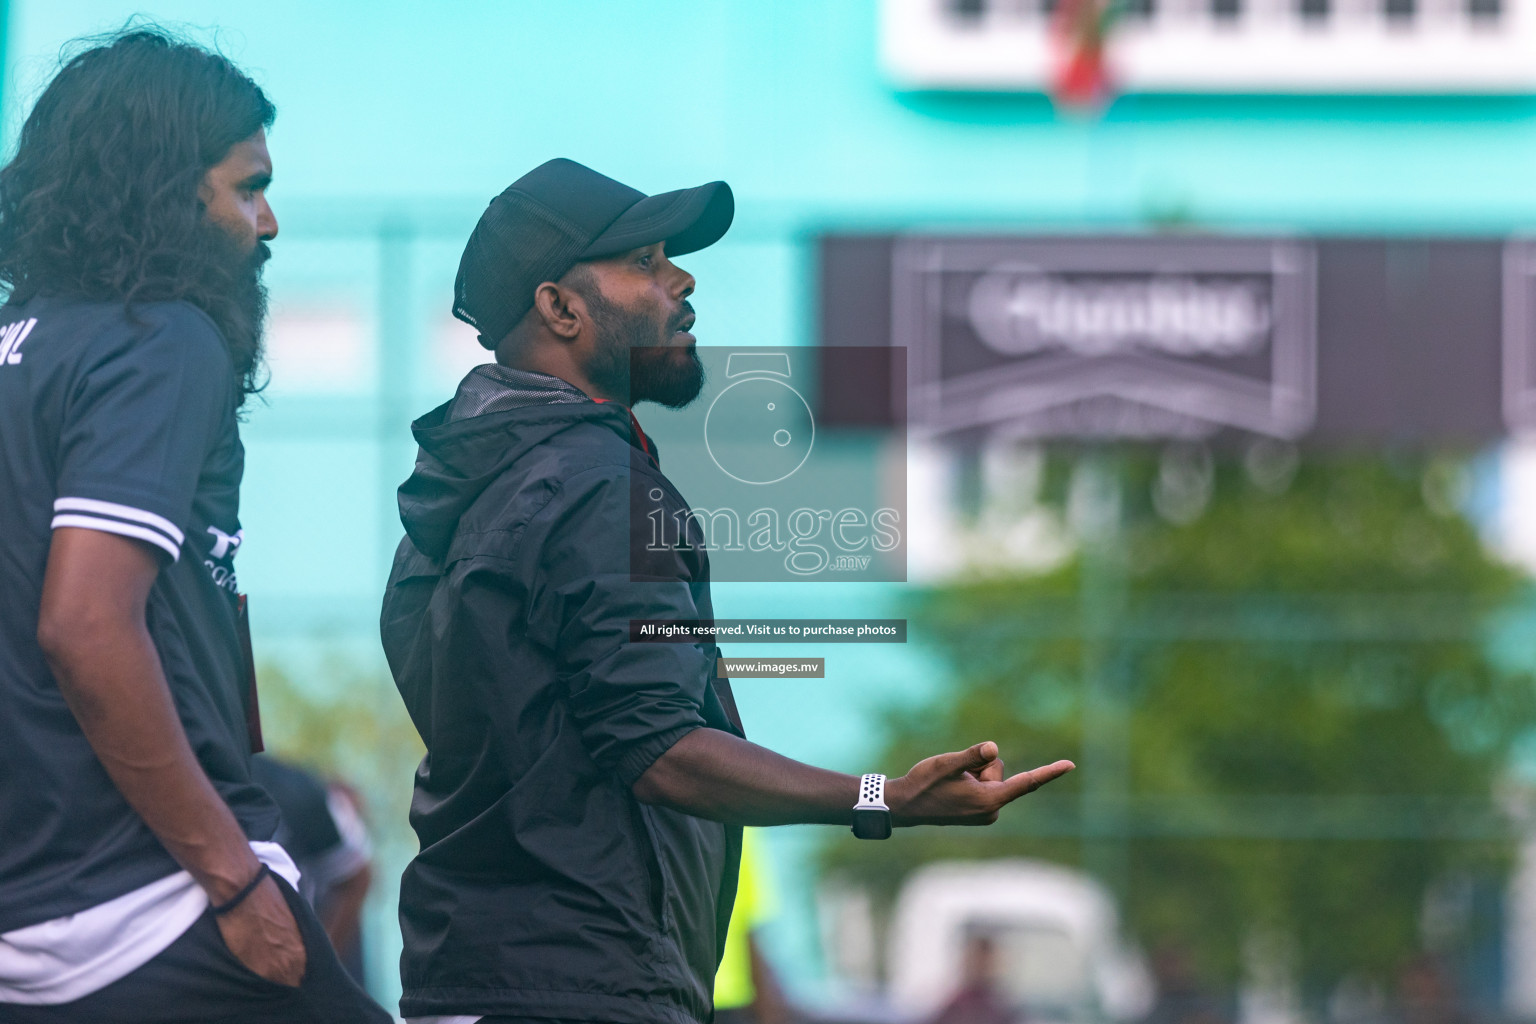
x=559 y=214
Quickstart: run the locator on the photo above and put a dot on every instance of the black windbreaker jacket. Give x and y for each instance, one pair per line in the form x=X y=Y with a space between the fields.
x=543 y=887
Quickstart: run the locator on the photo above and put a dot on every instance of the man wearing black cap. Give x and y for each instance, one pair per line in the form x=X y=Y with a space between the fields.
x=580 y=804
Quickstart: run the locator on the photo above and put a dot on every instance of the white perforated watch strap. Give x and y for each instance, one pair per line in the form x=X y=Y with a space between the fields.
x=871 y=794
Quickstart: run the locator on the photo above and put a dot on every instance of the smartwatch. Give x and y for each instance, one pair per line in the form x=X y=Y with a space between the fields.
x=871 y=818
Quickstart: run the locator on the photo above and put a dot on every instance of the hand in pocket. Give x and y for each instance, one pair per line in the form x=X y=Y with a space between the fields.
x=262 y=934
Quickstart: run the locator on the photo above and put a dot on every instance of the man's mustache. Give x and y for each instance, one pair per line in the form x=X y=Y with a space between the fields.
x=684 y=312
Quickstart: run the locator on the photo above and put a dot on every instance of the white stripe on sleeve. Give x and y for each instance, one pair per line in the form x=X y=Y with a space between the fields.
x=112 y=508
x=122 y=528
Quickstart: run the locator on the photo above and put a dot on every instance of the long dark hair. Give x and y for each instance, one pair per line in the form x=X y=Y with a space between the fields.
x=101 y=200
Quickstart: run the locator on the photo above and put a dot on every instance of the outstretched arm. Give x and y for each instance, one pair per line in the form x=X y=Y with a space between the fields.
x=630 y=699
x=712 y=774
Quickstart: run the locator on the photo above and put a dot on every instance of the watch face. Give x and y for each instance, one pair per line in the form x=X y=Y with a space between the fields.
x=759 y=430
x=872 y=824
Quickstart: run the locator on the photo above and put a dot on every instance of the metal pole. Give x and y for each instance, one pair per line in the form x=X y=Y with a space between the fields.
x=396 y=369
x=1106 y=717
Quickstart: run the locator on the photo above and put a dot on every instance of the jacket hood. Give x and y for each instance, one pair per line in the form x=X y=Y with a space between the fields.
x=459 y=458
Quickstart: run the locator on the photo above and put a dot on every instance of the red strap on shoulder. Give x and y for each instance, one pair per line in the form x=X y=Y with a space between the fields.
x=634 y=425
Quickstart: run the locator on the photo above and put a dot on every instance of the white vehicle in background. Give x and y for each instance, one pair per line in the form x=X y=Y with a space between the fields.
x=1055 y=935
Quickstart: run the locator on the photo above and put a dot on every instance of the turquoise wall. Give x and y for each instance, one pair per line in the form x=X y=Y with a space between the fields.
x=397 y=121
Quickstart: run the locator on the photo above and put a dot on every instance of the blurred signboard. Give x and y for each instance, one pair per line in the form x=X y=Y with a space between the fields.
x=1224 y=46
x=1078 y=337
x=1343 y=341
x=1520 y=335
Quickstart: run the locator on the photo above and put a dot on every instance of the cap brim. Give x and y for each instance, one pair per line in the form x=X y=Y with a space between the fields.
x=687 y=220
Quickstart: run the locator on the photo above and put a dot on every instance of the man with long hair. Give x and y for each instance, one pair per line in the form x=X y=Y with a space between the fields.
x=137 y=879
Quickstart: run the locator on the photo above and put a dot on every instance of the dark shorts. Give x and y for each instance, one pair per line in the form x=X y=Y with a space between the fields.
x=197 y=980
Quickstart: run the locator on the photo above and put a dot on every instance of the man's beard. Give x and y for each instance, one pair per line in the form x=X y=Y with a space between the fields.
x=227 y=286
x=631 y=362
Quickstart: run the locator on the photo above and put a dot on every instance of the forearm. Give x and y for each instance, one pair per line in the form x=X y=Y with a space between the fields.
x=713 y=774
x=111 y=676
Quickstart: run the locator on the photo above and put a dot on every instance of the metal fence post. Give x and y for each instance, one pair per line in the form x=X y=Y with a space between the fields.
x=396 y=370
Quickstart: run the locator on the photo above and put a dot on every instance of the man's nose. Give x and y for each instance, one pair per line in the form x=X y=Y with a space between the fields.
x=684 y=285
x=266 y=221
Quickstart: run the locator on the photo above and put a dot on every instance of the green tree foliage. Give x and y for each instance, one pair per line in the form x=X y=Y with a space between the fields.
x=1284 y=712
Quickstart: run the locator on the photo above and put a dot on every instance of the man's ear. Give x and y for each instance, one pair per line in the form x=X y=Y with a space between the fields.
x=560 y=308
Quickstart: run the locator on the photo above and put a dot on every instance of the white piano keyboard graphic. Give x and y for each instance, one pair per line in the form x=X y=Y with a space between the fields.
x=1225 y=46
